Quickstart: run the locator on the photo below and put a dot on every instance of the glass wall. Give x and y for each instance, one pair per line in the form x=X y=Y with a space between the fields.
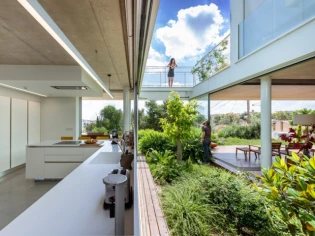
x=203 y=109
x=270 y=20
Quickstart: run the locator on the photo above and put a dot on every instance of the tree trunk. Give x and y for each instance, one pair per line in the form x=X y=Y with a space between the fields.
x=179 y=150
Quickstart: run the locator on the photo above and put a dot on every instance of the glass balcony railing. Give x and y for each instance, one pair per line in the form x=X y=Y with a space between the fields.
x=216 y=60
x=156 y=76
x=270 y=20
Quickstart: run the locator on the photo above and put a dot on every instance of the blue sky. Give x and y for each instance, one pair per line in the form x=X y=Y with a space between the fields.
x=187 y=30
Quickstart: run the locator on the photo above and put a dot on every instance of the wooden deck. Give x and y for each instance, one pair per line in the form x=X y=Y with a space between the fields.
x=150 y=213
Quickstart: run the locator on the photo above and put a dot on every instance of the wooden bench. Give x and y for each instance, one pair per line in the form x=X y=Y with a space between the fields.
x=290 y=147
x=275 y=149
x=243 y=149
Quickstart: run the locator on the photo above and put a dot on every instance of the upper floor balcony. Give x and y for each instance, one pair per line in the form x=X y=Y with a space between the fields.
x=272 y=20
x=156 y=76
x=186 y=77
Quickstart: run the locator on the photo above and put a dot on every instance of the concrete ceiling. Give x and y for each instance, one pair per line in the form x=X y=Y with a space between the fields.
x=25 y=42
x=296 y=82
x=96 y=28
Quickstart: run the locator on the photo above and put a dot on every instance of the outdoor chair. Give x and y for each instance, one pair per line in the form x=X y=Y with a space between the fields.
x=275 y=149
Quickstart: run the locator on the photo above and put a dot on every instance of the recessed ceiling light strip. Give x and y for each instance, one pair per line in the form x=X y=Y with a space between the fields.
x=38 y=12
x=23 y=90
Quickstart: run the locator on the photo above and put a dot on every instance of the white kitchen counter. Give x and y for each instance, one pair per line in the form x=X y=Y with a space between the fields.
x=51 y=143
x=75 y=205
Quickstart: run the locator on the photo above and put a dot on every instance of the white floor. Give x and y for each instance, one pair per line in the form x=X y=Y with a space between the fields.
x=17 y=194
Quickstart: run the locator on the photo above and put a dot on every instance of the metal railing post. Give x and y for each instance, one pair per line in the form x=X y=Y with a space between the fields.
x=160 y=79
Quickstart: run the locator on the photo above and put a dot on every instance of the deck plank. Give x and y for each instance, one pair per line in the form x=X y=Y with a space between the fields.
x=152 y=218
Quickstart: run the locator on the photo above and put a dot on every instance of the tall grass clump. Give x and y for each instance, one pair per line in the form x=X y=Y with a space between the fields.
x=187 y=212
x=233 y=206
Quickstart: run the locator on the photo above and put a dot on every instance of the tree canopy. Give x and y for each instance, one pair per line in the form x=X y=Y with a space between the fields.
x=111 y=118
x=180 y=120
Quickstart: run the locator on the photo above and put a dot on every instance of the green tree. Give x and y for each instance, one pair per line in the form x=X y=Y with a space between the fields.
x=98 y=123
x=282 y=115
x=180 y=120
x=89 y=127
x=154 y=112
x=141 y=119
x=199 y=119
x=111 y=118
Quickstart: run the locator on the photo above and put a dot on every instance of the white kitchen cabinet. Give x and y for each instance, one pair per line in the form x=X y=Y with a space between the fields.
x=55 y=162
x=59 y=170
x=35 y=163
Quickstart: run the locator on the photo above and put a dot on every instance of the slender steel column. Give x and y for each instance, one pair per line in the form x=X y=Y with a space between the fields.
x=127 y=110
x=265 y=114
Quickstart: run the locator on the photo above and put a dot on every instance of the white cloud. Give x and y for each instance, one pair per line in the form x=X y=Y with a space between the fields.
x=196 y=28
x=156 y=59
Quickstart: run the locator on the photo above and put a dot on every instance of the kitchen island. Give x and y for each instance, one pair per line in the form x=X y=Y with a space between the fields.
x=75 y=205
x=55 y=159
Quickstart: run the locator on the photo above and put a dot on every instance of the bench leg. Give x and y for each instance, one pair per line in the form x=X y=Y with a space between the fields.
x=245 y=154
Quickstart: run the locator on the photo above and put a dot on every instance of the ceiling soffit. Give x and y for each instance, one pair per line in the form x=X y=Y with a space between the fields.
x=95 y=28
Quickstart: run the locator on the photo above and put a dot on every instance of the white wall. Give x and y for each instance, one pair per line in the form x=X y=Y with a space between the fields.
x=59 y=117
x=18 y=131
x=15 y=126
x=33 y=122
x=5 y=120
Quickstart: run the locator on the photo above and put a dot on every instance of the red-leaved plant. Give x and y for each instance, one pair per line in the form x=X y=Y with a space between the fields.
x=292 y=135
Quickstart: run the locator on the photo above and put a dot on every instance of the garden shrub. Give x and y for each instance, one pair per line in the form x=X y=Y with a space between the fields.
x=238 y=208
x=192 y=147
x=187 y=212
x=251 y=131
x=142 y=132
x=164 y=166
x=291 y=189
x=156 y=140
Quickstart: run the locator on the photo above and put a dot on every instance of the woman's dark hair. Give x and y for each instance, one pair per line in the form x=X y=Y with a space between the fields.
x=207 y=123
x=171 y=61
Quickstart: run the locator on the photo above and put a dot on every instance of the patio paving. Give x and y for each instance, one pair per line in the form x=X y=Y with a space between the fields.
x=225 y=156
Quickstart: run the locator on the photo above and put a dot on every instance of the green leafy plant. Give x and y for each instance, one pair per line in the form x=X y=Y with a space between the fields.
x=192 y=147
x=251 y=131
x=233 y=207
x=292 y=190
x=156 y=140
x=213 y=62
x=180 y=120
x=100 y=130
x=187 y=212
x=164 y=167
x=143 y=132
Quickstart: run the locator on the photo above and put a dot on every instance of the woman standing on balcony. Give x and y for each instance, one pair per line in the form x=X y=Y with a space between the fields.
x=170 y=73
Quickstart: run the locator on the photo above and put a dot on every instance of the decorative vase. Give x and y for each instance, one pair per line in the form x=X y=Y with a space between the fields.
x=125 y=161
